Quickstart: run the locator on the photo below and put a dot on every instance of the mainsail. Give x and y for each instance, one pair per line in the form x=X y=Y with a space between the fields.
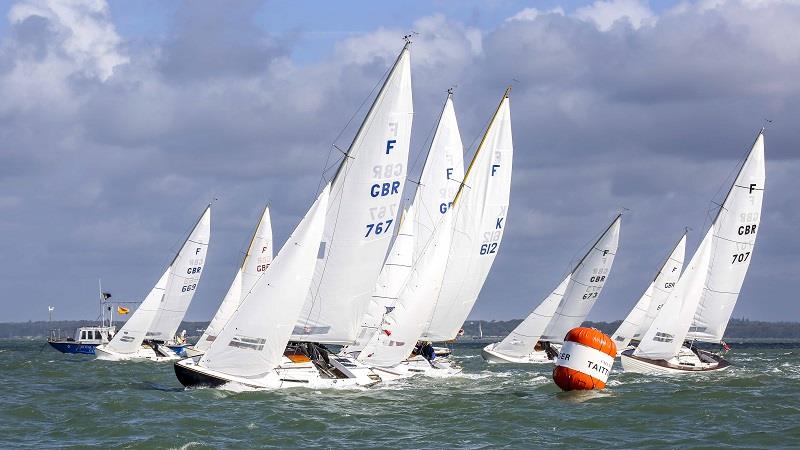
x=735 y=229
x=586 y=282
x=364 y=201
x=639 y=319
x=522 y=340
x=130 y=337
x=253 y=341
x=254 y=264
x=184 y=276
x=479 y=219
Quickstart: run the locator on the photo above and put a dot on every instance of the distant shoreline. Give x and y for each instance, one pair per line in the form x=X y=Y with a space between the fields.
x=738 y=329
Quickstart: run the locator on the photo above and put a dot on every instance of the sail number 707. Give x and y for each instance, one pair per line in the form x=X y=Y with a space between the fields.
x=740 y=257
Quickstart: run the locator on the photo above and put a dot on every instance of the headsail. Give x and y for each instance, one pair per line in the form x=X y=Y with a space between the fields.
x=184 y=276
x=665 y=336
x=253 y=341
x=130 y=337
x=586 y=283
x=522 y=341
x=735 y=229
x=479 y=219
x=364 y=201
x=639 y=319
x=403 y=325
x=393 y=276
x=255 y=262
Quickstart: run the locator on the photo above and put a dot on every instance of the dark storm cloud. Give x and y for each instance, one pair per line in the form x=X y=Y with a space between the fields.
x=110 y=148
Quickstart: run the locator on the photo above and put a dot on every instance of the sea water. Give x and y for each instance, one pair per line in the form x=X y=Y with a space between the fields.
x=54 y=400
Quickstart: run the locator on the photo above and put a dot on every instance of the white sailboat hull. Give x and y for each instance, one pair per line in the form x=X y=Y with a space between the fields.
x=417 y=365
x=287 y=375
x=144 y=352
x=492 y=356
x=685 y=362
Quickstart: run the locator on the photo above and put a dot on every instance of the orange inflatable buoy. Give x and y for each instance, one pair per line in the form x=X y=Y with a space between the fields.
x=585 y=360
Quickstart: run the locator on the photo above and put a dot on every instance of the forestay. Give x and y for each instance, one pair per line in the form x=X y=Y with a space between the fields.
x=735 y=229
x=479 y=220
x=393 y=276
x=365 y=197
x=665 y=336
x=256 y=260
x=184 y=275
x=639 y=319
x=441 y=176
x=130 y=337
x=587 y=281
x=522 y=341
x=253 y=341
x=403 y=325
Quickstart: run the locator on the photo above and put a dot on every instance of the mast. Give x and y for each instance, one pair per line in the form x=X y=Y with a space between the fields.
x=370 y=111
x=480 y=145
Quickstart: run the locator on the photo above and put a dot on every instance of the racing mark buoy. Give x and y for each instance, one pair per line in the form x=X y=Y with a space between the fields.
x=585 y=360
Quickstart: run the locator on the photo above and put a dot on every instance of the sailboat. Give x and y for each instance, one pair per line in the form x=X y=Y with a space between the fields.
x=564 y=309
x=86 y=339
x=700 y=306
x=480 y=332
x=152 y=327
x=479 y=220
x=652 y=300
x=440 y=179
x=254 y=264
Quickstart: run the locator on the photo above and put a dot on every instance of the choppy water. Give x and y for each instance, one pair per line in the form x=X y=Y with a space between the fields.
x=54 y=400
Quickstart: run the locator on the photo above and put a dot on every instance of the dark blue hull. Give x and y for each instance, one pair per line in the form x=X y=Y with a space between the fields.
x=73 y=347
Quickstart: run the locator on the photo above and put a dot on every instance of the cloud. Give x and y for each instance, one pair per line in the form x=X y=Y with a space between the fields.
x=110 y=146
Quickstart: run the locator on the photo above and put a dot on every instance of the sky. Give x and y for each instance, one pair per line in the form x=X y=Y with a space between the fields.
x=120 y=121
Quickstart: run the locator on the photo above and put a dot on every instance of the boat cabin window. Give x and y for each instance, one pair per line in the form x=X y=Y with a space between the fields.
x=83 y=334
x=97 y=334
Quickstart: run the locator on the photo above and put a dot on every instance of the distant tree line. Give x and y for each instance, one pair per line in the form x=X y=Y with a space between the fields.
x=737 y=328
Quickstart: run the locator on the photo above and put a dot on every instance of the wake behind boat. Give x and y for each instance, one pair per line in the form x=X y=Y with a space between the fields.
x=702 y=302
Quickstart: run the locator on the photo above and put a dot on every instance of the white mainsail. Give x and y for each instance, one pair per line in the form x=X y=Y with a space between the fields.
x=441 y=176
x=184 y=276
x=365 y=200
x=735 y=230
x=254 y=264
x=642 y=315
x=393 y=276
x=586 y=283
x=403 y=325
x=522 y=340
x=253 y=341
x=479 y=219
x=129 y=338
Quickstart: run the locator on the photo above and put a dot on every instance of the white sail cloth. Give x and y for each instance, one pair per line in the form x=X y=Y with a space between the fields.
x=735 y=230
x=403 y=325
x=479 y=219
x=391 y=280
x=522 y=340
x=255 y=262
x=365 y=200
x=586 y=283
x=441 y=177
x=644 y=312
x=252 y=343
x=129 y=338
x=184 y=277
x=704 y=297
